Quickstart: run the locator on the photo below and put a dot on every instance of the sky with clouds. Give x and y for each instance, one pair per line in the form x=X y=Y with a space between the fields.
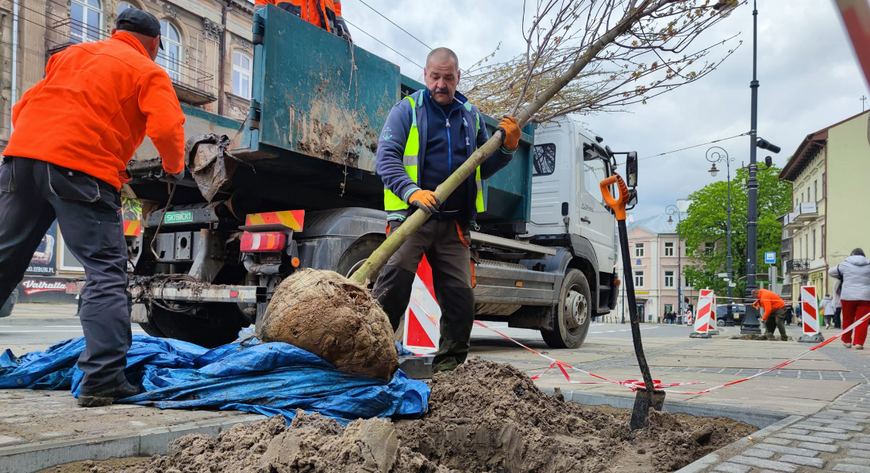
x=807 y=71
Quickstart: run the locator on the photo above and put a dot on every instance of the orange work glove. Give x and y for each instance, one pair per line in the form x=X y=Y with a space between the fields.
x=508 y=125
x=426 y=200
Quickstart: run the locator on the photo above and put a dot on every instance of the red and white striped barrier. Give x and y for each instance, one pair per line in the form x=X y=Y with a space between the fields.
x=423 y=315
x=704 y=321
x=810 y=316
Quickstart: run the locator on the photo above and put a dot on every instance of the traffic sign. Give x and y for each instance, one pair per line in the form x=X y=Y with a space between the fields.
x=770 y=257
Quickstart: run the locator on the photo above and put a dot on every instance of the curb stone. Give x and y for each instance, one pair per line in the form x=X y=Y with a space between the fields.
x=31 y=458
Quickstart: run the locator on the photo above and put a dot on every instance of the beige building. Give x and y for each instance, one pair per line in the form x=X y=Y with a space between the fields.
x=654 y=246
x=829 y=218
x=208 y=54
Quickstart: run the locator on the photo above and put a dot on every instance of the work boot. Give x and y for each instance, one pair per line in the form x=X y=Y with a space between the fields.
x=106 y=396
x=446 y=366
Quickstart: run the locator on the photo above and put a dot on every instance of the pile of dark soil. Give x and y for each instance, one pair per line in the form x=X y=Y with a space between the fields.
x=483 y=417
x=334 y=318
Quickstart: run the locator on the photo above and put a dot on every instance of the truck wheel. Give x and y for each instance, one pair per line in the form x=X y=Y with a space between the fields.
x=211 y=325
x=8 y=304
x=573 y=314
x=151 y=329
x=356 y=255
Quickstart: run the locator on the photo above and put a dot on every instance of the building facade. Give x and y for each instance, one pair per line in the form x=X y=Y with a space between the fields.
x=207 y=53
x=656 y=267
x=828 y=172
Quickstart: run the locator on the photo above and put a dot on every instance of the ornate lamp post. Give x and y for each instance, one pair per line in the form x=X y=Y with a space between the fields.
x=719 y=155
x=682 y=206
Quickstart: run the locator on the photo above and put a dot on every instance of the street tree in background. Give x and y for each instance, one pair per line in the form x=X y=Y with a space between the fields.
x=652 y=52
x=706 y=223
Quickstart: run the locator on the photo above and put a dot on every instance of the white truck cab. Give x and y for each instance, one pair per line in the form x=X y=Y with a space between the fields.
x=566 y=196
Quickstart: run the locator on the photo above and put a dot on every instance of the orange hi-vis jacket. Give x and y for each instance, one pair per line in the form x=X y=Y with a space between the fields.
x=769 y=300
x=317 y=12
x=94 y=107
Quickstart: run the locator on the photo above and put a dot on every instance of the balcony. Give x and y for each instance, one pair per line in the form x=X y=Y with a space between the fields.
x=805 y=212
x=192 y=85
x=797 y=266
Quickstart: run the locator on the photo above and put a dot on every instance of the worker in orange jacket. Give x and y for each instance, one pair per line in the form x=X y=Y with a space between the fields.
x=74 y=132
x=323 y=13
x=774 y=312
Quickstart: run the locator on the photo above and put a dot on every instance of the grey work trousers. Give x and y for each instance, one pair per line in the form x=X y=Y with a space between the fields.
x=33 y=194
x=776 y=320
x=445 y=244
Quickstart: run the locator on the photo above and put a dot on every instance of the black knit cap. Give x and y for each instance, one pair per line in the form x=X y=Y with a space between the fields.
x=139 y=21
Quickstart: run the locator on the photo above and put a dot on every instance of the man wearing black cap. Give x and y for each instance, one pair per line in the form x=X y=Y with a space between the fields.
x=74 y=132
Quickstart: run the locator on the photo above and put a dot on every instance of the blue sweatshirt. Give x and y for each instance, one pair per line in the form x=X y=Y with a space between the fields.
x=436 y=159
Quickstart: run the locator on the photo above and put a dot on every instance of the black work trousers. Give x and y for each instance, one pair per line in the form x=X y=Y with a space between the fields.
x=33 y=194
x=445 y=244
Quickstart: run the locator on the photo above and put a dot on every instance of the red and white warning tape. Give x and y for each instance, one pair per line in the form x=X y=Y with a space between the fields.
x=634 y=384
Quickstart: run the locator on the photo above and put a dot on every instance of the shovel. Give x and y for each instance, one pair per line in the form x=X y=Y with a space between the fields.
x=647 y=396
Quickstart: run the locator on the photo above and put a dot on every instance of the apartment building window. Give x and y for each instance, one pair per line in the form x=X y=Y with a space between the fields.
x=824 y=186
x=808 y=192
x=709 y=248
x=242 y=75
x=638 y=250
x=669 y=248
x=170 y=57
x=816 y=190
x=638 y=279
x=823 y=235
x=814 y=243
x=86 y=19
x=669 y=279
x=123 y=6
x=802 y=197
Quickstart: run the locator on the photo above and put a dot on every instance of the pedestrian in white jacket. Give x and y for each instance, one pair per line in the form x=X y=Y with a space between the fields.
x=827 y=308
x=854 y=273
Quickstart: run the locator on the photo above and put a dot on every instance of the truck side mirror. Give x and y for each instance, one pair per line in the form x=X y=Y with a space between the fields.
x=631 y=169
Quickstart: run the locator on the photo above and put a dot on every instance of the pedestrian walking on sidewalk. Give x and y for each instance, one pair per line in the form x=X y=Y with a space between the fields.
x=838 y=307
x=826 y=306
x=854 y=276
x=74 y=132
x=774 y=312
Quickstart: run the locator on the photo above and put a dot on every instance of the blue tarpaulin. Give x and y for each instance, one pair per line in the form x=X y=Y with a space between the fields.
x=265 y=378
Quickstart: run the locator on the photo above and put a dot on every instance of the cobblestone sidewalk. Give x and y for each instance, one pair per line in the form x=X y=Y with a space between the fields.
x=837 y=438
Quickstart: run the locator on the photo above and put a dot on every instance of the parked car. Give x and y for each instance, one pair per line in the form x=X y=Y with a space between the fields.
x=738 y=312
x=6 y=308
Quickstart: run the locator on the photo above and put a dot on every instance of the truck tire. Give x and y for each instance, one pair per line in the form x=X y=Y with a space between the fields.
x=151 y=329
x=211 y=326
x=356 y=255
x=8 y=304
x=573 y=314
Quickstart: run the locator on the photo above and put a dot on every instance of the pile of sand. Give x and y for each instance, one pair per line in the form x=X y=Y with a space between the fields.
x=334 y=318
x=483 y=417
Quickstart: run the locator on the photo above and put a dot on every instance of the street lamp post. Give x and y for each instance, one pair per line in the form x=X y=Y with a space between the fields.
x=751 y=325
x=682 y=206
x=718 y=155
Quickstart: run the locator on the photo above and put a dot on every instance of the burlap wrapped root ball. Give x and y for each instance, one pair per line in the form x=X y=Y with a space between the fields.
x=334 y=318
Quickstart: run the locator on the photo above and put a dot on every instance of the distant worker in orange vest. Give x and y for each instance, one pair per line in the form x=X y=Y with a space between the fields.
x=774 y=312
x=75 y=132
x=323 y=13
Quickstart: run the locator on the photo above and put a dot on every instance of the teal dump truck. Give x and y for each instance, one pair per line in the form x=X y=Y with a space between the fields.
x=293 y=186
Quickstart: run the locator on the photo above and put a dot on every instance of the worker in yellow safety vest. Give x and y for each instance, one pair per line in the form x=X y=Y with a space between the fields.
x=427 y=136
